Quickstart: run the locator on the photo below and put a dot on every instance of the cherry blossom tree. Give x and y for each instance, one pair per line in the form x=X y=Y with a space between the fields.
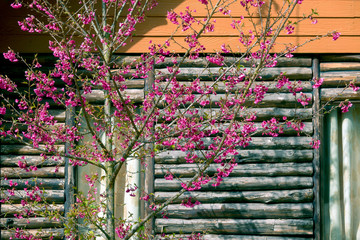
x=85 y=39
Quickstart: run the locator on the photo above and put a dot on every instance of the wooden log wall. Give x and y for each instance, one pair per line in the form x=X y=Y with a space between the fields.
x=338 y=71
x=269 y=194
x=49 y=177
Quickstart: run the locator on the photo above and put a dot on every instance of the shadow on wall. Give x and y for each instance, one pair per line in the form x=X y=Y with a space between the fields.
x=24 y=42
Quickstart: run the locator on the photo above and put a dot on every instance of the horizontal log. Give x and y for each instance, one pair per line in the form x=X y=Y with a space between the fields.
x=45 y=233
x=58 y=114
x=280 y=143
x=9 y=210
x=262 y=169
x=232 y=237
x=228 y=61
x=240 y=183
x=241 y=210
x=304 y=114
x=275 y=196
x=269 y=100
x=287 y=131
x=24 y=128
x=42 y=183
x=39 y=222
x=339 y=66
x=272 y=143
x=241 y=226
x=44 y=172
x=220 y=87
x=98 y=96
x=51 y=196
x=331 y=74
x=340 y=81
x=12 y=161
x=303 y=73
x=340 y=58
x=25 y=150
x=244 y=156
x=338 y=94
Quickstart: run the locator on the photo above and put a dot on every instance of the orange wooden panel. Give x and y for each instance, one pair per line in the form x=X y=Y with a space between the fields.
x=326 y=45
x=326 y=8
x=341 y=17
x=156 y=26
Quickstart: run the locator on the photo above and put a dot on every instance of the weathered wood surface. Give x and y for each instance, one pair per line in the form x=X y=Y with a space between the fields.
x=39 y=222
x=340 y=81
x=343 y=73
x=240 y=183
x=44 y=172
x=220 y=87
x=51 y=196
x=261 y=113
x=98 y=96
x=202 y=62
x=287 y=131
x=234 y=196
x=339 y=66
x=340 y=58
x=9 y=210
x=302 y=73
x=241 y=211
x=269 y=100
x=271 y=143
x=233 y=237
x=318 y=122
x=280 y=143
x=59 y=115
x=45 y=233
x=42 y=183
x=232 y=226
x=12 y=160
x=263 y=169
x=228 y=61
x=23 y=149
x=331 y=94
x=244 y=156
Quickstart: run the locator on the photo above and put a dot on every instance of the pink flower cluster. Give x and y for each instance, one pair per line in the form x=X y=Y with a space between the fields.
x=11 y=56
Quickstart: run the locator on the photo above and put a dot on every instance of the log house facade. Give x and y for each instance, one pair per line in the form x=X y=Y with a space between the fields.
x=275 y=192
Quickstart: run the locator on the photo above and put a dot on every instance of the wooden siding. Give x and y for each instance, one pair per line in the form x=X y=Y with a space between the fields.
x=49 y=177
x=339 y=15
x=269 y=194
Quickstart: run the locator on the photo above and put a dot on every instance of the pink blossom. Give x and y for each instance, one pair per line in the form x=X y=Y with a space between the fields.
x=189 y=204
x=11 y=56
x=204 y=1
x=2 y=110
x=318 y=82
x=336 y=35
x=303 y=99
x=169 y=176
x=315 y=144
x=16 y=5
x=345 y=105
x=289 y=29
